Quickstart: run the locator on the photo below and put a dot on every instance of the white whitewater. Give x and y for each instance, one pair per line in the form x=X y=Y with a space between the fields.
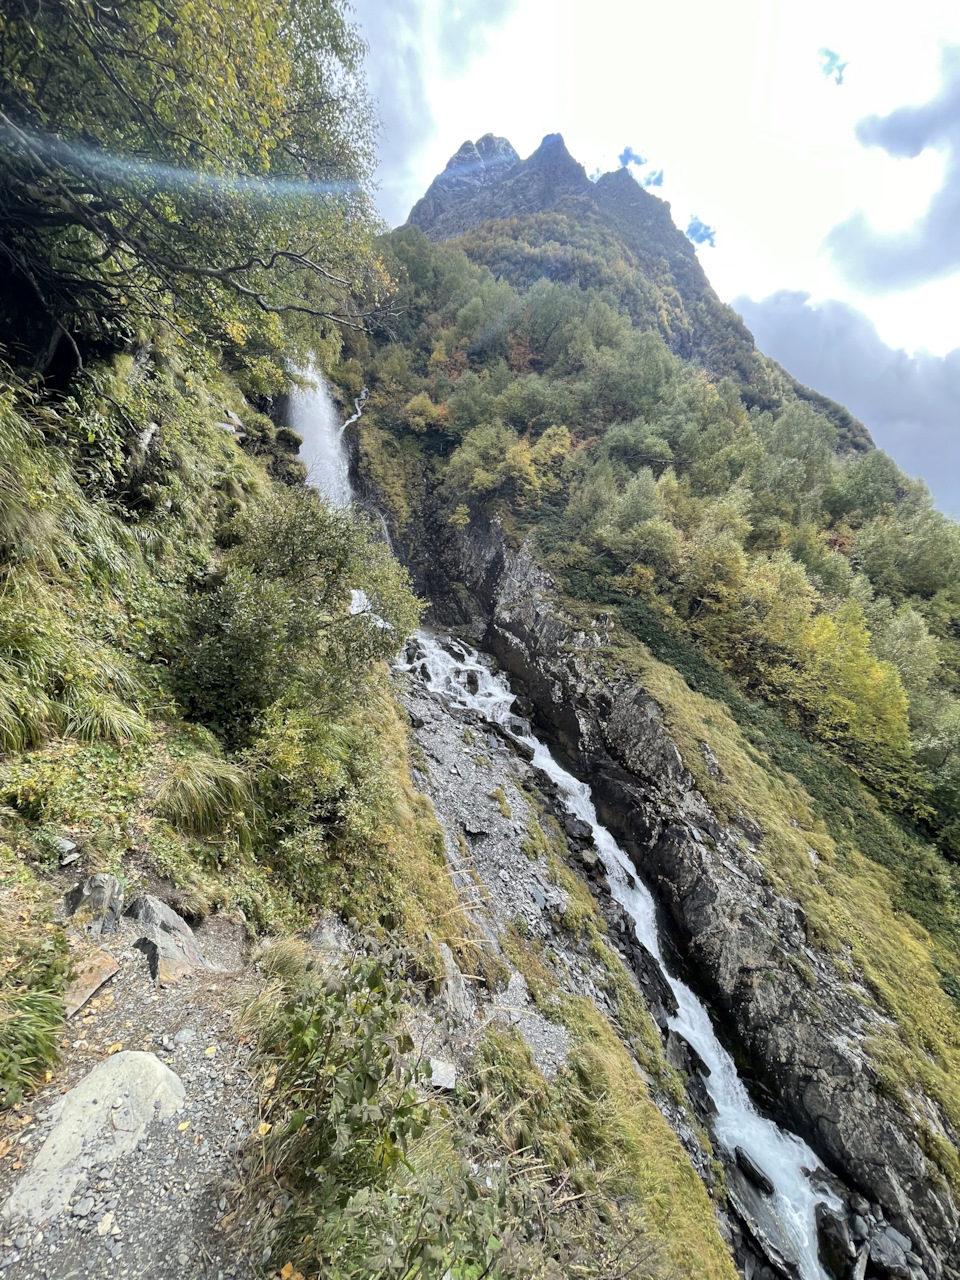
x=313 y=415
x=781 y=1155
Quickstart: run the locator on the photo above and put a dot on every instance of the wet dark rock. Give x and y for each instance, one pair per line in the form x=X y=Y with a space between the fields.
x=660 y=998
x=888 y=1258
x=683 y=1056
x=577 y=828
x=757 y=1213
x=835 y=1246
x=753 y=1172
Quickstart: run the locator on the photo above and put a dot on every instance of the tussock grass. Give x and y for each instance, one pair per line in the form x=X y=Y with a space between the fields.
x=33 y=968
x=597 y=1125
x=210 y=798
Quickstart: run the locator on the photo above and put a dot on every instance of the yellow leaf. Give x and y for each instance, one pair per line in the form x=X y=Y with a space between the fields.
x=115 y=1047
x=264 y=1128
x=211 y=1051
x=185 y=1125
x=286 y=1271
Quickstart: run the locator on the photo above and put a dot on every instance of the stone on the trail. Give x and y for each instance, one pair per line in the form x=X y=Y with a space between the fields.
x=88 y=1130
x=148 y=910
x=165 y=939
x=753 y=1172
x=96 y=904
x=171 y=956
x=443 y=1075
x=90 y=976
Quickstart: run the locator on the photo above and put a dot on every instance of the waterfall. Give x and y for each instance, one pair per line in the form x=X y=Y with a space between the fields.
x=313 y=415
x=784 y=1158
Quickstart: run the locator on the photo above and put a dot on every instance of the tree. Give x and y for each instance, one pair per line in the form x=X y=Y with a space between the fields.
x=200 y=162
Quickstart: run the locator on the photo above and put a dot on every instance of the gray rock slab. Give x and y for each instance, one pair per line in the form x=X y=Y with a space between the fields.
x=95 y=904
x=171 y=956
x=100 y=1119
x=148 y=910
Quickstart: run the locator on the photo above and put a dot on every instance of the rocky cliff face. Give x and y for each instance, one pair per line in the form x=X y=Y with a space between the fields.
x=489 y=180
x=799 y=1026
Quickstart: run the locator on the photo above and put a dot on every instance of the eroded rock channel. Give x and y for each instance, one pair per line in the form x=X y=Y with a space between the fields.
x=877 y=1209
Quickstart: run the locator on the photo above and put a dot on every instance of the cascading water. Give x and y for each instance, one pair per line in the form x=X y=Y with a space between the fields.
x=468 y=682
x=313 y=415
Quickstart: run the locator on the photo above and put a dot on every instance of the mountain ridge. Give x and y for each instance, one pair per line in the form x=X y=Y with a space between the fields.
x=486 y=182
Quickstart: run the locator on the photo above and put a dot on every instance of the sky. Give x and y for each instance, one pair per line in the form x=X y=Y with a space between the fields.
x=813 y=149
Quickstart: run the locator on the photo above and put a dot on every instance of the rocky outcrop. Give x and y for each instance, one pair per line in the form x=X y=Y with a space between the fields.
x=743 y=945
x=488 y=179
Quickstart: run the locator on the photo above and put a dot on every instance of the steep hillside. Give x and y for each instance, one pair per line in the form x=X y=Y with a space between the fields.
x=569 y=478
x=614 y=932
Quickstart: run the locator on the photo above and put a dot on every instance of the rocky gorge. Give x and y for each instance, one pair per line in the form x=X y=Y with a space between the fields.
x=799 y=1027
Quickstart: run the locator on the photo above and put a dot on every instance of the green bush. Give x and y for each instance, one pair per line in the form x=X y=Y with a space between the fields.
x=282 y=619
x=359 y=1173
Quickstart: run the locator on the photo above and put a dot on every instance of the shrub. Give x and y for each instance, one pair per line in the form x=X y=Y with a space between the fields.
x=209 y=798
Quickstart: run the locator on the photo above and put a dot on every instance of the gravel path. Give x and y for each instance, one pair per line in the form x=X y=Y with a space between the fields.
x=168 y=1208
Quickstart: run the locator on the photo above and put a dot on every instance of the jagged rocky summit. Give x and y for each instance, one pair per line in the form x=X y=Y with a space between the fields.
x=487 y=179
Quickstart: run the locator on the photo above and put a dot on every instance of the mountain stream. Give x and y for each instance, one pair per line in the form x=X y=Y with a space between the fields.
x=469 y=682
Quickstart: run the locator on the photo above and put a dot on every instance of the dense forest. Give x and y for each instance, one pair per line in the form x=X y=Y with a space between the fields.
x=822 y=579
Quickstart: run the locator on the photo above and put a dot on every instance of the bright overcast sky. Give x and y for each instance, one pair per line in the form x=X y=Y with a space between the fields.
x=730 y=101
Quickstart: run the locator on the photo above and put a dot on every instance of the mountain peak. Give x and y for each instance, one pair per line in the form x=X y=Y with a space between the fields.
x=487 y=179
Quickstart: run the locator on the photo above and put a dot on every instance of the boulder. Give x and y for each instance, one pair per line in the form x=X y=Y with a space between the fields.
x=95 y=904
x=888 y=1255
x=171 y=956
x=659 y=996
x=165 y=939
x=835 y=1246
x=577 y=828
x=149 y=910
x=753 y=1171
x=681 y=1054
x=99 y=1120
